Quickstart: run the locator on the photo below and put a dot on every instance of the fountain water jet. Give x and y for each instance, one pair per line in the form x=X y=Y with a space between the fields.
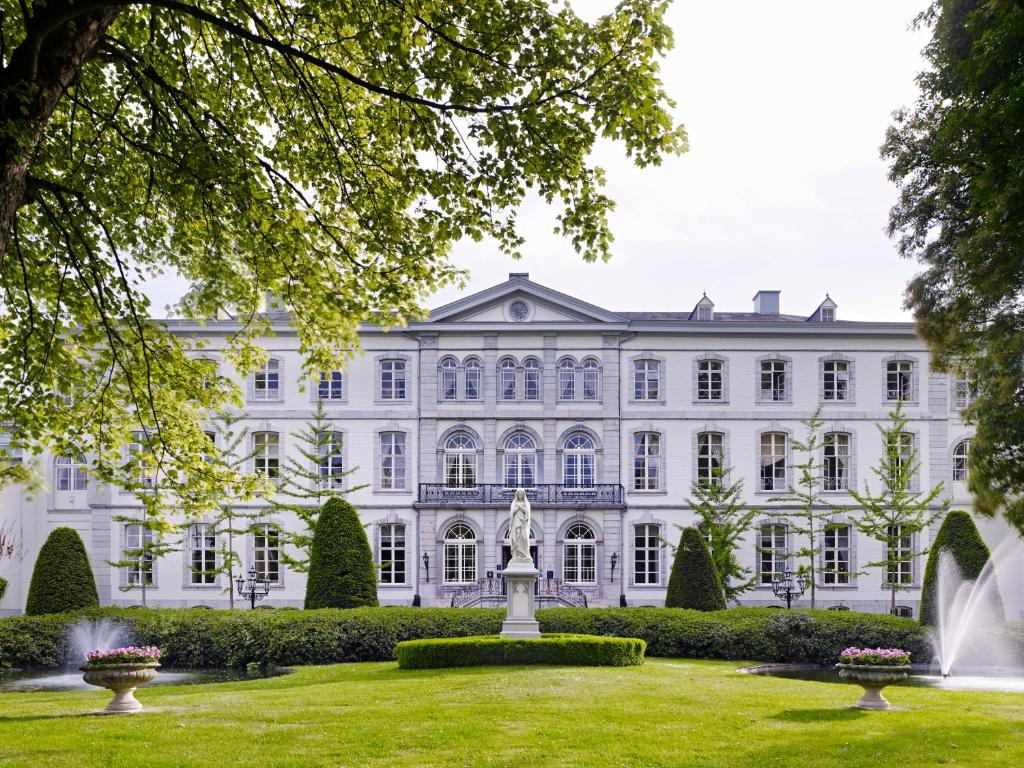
x=86 y=635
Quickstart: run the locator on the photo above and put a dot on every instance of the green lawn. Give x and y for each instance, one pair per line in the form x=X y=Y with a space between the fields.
x=664 y=713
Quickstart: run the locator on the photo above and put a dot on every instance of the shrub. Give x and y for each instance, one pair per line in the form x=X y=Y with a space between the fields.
x=341 y=569
x=3 y=587
x=694 y=581
x=569 y=650
x=62 y=579
x=959 y=536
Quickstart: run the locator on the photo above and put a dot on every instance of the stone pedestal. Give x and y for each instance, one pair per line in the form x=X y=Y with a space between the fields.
x=520 y=578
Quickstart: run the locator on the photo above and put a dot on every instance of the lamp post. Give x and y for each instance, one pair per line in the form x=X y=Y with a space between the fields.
x=789 y=587
x=253 y=588
x=426 y=566
x=615 y=560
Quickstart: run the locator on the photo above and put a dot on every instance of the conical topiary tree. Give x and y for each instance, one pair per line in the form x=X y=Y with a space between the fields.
x=341 y=569
x=959 y=536
x=62 y=579
x=694 y=581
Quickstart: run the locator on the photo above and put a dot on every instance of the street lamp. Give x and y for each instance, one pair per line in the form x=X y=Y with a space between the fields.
x=789 y=587
x=253 y=588
x=615 y=560
x=426 y=566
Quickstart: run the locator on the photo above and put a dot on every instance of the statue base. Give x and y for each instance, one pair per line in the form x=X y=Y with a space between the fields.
x=520 y=578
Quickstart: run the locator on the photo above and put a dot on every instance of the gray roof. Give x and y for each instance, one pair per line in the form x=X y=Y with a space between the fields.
x=733 y=317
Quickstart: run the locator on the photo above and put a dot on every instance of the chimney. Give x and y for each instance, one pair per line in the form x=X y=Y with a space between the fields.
x=518 y=275
x=766 y=302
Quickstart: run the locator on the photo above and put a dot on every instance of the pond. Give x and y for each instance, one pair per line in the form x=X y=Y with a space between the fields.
x=71 y=679
x=1009 y=681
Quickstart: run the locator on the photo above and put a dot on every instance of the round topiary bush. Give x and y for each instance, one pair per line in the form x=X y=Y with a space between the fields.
x=565 y=650
x=694 y=580
x=62 y=579
x=959 y=536
x=342 y=573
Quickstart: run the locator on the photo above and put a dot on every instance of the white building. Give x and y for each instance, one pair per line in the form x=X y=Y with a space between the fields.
x=607 y=416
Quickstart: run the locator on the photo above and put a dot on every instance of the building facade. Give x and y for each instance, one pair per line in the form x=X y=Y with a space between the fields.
x=607 y=417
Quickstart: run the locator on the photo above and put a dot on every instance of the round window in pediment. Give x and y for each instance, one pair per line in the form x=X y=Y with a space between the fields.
x=519 y=311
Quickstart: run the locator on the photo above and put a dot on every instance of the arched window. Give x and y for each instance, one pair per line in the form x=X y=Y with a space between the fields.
x=265 y=447
x=709 y=458
x=531 y=379
x=579 y=550
x=70 y=471
x=520 y=461
x=507 y=379
x=961 y=454
x=460 y=461
x=332 y=469
x=266 y=384
x=447 y=377
x=567 y=380
x=591 y=379
x=473 y=379
x=459 y=554
x=578 y=461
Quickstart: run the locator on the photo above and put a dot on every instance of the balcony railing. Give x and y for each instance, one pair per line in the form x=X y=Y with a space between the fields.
x=500 y=494
x=492 y=592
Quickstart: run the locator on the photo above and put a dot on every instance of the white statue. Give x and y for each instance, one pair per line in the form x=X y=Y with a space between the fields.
x=519 y=528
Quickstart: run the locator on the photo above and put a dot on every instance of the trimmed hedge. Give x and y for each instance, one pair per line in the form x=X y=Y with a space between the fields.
x=959 y=536
x=341 y=569
x=694 y=581
x=3 y=587
x=62 y=579
x=566 y=650
x=215 y=639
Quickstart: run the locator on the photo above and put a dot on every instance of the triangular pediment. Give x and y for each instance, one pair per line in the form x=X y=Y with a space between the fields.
x=521 y=300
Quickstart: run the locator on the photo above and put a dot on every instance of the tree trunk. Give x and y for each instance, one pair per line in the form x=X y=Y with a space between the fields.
x=59 y=40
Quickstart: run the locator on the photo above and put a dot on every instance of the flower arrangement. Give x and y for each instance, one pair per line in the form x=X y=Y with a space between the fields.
x=131 y=654
x=875 y=657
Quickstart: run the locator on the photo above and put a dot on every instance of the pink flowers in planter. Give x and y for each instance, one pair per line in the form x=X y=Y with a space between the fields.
x=131 y=654
x=875 y=657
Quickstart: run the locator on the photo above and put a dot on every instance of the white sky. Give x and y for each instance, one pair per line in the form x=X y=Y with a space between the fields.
x=786 y=104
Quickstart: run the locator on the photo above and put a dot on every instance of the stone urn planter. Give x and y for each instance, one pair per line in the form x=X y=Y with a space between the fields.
x=122 y=679
x=873 y=679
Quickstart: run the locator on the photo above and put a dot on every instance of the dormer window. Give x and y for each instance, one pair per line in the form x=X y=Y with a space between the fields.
x=704 y=313
x=828 y=314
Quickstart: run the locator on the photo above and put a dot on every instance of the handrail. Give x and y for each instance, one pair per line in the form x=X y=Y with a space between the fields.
x=501 y=494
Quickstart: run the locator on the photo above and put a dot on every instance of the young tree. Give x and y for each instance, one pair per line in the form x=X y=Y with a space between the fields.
x=342 y=573
x=310 y=475
x=813 y=514
x=331 y=155
x=958 y=156
x=694 y=581
x=897 y=513
x=62 y=578
x=724 y=522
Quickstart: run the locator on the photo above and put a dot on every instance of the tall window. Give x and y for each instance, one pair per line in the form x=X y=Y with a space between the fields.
x=578 y=461
x=579 y=555
x=962 y=452
x=567 y=380
x=460 y=461
x=331 y=466
x=266 y=460
x=963 y=389
x=899 y=380
x=646 y=458
x=266 y=544
x=772 y=552
x=392 y=554
x=591 y=379
x=70 y=472
x=531 y=379
x=266 y=384
x=202 y=554
x=520 y=460
x=392 y=379
x=773 y=380
x=138 y=452
x=330 y=386
x=459 y=554
x=902 y=446
x=392 y=461
x=709 y=380
x=646 y=380
x=448 y=380
x=836 y=384
x=474 y=378
x=646 y=554
x=773 y=461
x=836 y=554
x=837 y=462
x=900 y=568
x=507 y=379
x=709 y=458
x=137 y=539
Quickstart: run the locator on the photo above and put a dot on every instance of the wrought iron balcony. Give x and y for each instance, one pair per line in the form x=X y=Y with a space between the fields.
x=491 y=592
x=554 y=494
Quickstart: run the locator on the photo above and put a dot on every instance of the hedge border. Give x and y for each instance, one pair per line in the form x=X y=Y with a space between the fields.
x=556 y=649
